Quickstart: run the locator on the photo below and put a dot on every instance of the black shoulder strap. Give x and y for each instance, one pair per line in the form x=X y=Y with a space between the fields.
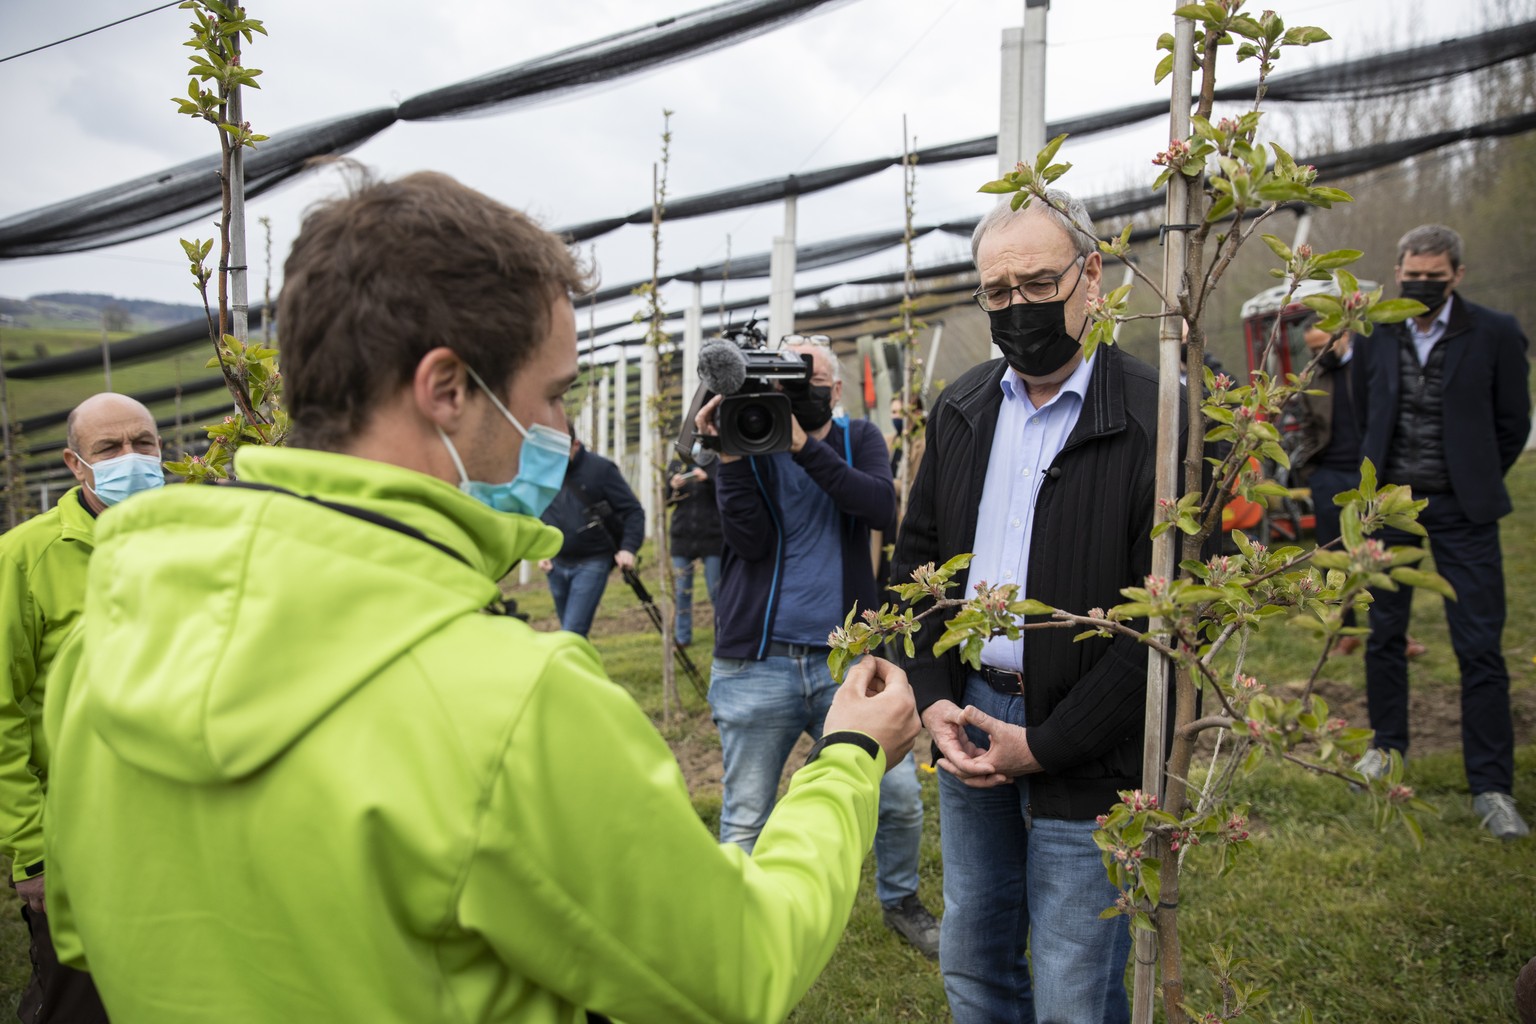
x=366 y=515
x=496 y=607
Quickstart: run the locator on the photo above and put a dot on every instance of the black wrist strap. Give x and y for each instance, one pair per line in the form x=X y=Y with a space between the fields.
x=858 y=739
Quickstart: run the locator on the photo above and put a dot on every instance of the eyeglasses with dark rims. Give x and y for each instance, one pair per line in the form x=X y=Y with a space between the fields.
x=1041 y=289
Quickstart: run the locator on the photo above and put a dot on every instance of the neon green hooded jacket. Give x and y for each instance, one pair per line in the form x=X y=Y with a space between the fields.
x=42 y=587
x=303 y=775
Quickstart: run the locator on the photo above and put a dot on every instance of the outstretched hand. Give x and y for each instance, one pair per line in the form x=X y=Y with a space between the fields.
x=877 y=700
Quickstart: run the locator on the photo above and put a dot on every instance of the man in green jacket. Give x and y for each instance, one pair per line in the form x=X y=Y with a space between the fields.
x=113 y=451
x=337 y=785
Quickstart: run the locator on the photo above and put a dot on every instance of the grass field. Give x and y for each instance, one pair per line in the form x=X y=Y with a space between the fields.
x=1331 y=914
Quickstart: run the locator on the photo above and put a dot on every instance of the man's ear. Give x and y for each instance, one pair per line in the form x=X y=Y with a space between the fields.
x=74 y=464
x=1093 y=272
x=441 y=388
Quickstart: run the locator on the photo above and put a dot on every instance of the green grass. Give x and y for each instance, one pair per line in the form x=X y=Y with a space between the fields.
x=1331 y=914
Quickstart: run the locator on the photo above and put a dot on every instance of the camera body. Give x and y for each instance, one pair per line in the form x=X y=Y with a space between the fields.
x=754 y=417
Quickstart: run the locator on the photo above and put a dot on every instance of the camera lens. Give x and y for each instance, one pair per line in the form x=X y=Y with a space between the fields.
x=754 y=423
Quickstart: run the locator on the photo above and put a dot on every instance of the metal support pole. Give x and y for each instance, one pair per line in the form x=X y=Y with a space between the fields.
x=1167 y=478
x=781 y=274
x=1021 y=126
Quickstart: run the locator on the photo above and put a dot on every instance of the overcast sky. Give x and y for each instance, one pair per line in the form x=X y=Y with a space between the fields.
x=827 y=89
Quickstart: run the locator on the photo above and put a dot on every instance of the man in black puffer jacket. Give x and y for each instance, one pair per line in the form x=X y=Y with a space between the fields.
x=1042 y=465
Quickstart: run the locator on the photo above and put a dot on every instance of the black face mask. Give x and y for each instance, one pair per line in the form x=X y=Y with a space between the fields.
x=1432 y=293
x=1033 y=337
x=814 y=408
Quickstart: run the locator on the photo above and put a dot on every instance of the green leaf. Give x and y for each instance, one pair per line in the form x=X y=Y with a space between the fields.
x=1337 y=258
x=1305 y=35
x=1001 y=186
x=1278 y=247
x=1194 y=12
x=1045 y=156
x=1424 y=581
x=1392 y=311
x=1163 y=70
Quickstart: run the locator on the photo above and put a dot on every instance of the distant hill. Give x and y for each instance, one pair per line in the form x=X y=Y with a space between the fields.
x=56 y=309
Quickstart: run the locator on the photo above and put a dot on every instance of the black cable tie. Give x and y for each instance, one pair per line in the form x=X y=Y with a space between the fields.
x=223 y=267
x=1163 y=229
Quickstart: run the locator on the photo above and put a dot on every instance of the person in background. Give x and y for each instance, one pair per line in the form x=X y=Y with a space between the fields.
x=694 y=537
x=603 y=524
x=1444 y=404
x=113 y=450
x=796 y=559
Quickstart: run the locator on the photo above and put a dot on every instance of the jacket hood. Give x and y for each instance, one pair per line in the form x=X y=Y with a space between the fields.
x=224 y=622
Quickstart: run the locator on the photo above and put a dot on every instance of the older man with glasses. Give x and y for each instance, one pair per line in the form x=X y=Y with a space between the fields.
x=1041 y=464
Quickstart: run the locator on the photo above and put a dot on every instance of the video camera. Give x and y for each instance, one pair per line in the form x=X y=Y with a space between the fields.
x=754 y=417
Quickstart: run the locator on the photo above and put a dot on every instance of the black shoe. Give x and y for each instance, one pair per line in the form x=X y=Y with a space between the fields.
x=911 y=920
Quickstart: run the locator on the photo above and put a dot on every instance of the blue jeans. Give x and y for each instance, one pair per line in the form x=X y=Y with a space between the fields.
x=683 y=569
x=576 y=588
x=761 y=708
x=1011 y=881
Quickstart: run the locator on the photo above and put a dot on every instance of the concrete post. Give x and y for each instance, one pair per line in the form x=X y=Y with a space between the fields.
x=1021 y=124
x=781 y=275
x=645 y=472
x=693 y=338
x=604 y=416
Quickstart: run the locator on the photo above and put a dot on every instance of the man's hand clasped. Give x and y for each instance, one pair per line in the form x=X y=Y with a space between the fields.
x=1006 y=756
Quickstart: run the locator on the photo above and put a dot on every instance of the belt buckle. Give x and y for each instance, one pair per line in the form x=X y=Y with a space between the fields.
x=1000 y=676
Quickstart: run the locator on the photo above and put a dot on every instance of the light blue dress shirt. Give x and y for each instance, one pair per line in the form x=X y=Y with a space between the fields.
x=1027 y=441
x=1425 y=341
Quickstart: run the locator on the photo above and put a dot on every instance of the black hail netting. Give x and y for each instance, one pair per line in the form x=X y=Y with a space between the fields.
x=1114 y=206
x=182 y=194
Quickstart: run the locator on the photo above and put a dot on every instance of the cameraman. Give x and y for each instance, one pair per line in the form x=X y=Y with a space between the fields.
x=795 y=524
x=603 y=525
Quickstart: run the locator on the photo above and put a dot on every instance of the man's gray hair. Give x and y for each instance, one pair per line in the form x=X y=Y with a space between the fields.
x=1430 y=239
x=1076 y=217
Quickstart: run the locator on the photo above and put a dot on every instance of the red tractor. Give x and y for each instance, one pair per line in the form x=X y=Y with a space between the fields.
x=1282 y=519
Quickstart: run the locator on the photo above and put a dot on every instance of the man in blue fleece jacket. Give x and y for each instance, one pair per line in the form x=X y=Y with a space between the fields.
x=795 y=525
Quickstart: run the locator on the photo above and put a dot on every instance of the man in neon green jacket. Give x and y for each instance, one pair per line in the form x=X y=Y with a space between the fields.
x=112 y=448
x=338 y=786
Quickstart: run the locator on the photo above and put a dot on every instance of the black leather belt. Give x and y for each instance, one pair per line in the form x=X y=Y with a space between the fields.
x=1003 y=680
x=778 y=650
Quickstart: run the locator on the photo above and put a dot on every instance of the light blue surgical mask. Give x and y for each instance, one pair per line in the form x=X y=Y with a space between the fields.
x=125 y=475
x=541 y=466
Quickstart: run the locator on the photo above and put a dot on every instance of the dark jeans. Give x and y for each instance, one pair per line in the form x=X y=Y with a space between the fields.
x=1468 y=556
x=55 y=992
x=1325 y=482
x=577 y=587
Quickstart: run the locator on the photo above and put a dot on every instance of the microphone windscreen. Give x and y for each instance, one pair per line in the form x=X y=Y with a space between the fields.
x=722 y=367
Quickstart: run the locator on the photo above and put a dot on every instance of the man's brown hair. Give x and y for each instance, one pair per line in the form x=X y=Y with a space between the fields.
x=385 y=274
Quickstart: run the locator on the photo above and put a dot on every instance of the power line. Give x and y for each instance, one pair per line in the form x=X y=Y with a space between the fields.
x=89 y=31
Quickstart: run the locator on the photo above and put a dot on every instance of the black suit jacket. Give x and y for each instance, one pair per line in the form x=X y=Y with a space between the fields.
x=1487 y=402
